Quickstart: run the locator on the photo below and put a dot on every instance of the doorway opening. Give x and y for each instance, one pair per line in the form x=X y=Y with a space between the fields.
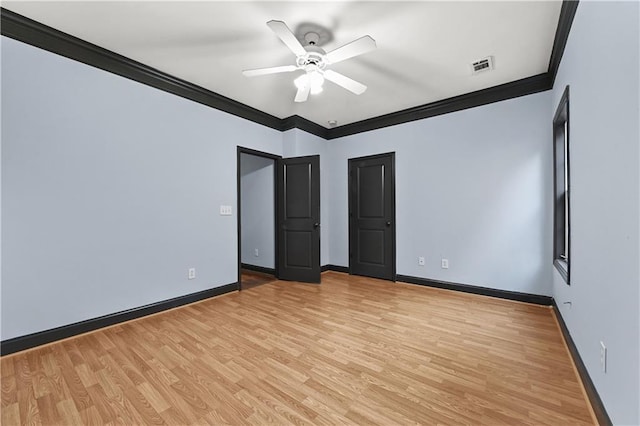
x=278 y=218
x=257 y=217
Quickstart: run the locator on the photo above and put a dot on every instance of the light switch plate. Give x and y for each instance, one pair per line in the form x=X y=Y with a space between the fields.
x=226 y=211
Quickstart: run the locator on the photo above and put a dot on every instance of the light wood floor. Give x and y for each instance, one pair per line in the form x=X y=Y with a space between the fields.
x=251 y=279
x=350 y=351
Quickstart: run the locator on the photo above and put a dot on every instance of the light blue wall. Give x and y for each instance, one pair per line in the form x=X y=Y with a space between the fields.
x=471 y=186
x=258 y=210
x=110 y=191
x=601 y=65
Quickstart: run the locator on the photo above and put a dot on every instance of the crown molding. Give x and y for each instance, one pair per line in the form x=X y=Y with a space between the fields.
x=514 y=89
x=297 y=122
x=28 y=31
x=567 y=13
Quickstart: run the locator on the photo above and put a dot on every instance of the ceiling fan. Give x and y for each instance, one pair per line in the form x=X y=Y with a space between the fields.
x=314 y=61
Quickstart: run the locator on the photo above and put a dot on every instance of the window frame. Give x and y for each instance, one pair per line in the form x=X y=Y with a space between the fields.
x=561 y=196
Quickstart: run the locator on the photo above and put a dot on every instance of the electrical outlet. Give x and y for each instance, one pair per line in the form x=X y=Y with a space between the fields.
x=192 y=273
x=444 y=264
x=421 y=261
x=603 y=357
x=257 y=253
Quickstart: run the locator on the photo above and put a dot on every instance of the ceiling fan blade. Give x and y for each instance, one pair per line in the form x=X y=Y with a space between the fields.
x=303 y=93
x=343 y=81
x=357 y=47
x=287 y=37
x=272 y=70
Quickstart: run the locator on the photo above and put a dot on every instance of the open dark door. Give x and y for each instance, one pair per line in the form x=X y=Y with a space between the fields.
x=372 y=214
x=299 y=219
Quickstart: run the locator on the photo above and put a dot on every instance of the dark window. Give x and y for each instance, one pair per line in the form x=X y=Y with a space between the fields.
x=561 y=227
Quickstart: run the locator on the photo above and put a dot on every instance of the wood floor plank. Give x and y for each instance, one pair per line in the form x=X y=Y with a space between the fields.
x=126 y=387
x=86 y=375
x=91 y=416
x=118 y=402
x=154 y=397
x=47 y=410
x=29 y=412
x=180 y=411
x=10 y=414
x=68 y=412
x=6 y=365
x=352 y=350
x=9 y=391
x=77 y=390
x=101 y=403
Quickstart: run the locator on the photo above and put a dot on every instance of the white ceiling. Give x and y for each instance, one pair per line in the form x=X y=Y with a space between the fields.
x=424 y=48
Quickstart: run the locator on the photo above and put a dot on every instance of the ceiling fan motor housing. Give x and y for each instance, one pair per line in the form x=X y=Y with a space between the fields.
x=312 y=38
x=314 y=58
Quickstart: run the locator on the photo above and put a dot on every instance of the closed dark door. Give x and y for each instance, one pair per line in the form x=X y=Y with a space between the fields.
x=299 y=219
x=372 y=216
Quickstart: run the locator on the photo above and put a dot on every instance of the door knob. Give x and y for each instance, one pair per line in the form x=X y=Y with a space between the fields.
x=388 y=223
x=315 y=225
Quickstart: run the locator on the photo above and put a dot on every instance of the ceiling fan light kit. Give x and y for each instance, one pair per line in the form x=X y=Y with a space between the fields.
x=313 y=60
x=313 y=79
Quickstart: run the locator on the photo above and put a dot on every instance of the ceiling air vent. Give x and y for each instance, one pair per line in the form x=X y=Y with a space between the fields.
x=485 y=64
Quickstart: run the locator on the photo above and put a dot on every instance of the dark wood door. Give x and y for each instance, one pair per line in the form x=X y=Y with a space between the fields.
x=299 y=219
x=372 y=216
